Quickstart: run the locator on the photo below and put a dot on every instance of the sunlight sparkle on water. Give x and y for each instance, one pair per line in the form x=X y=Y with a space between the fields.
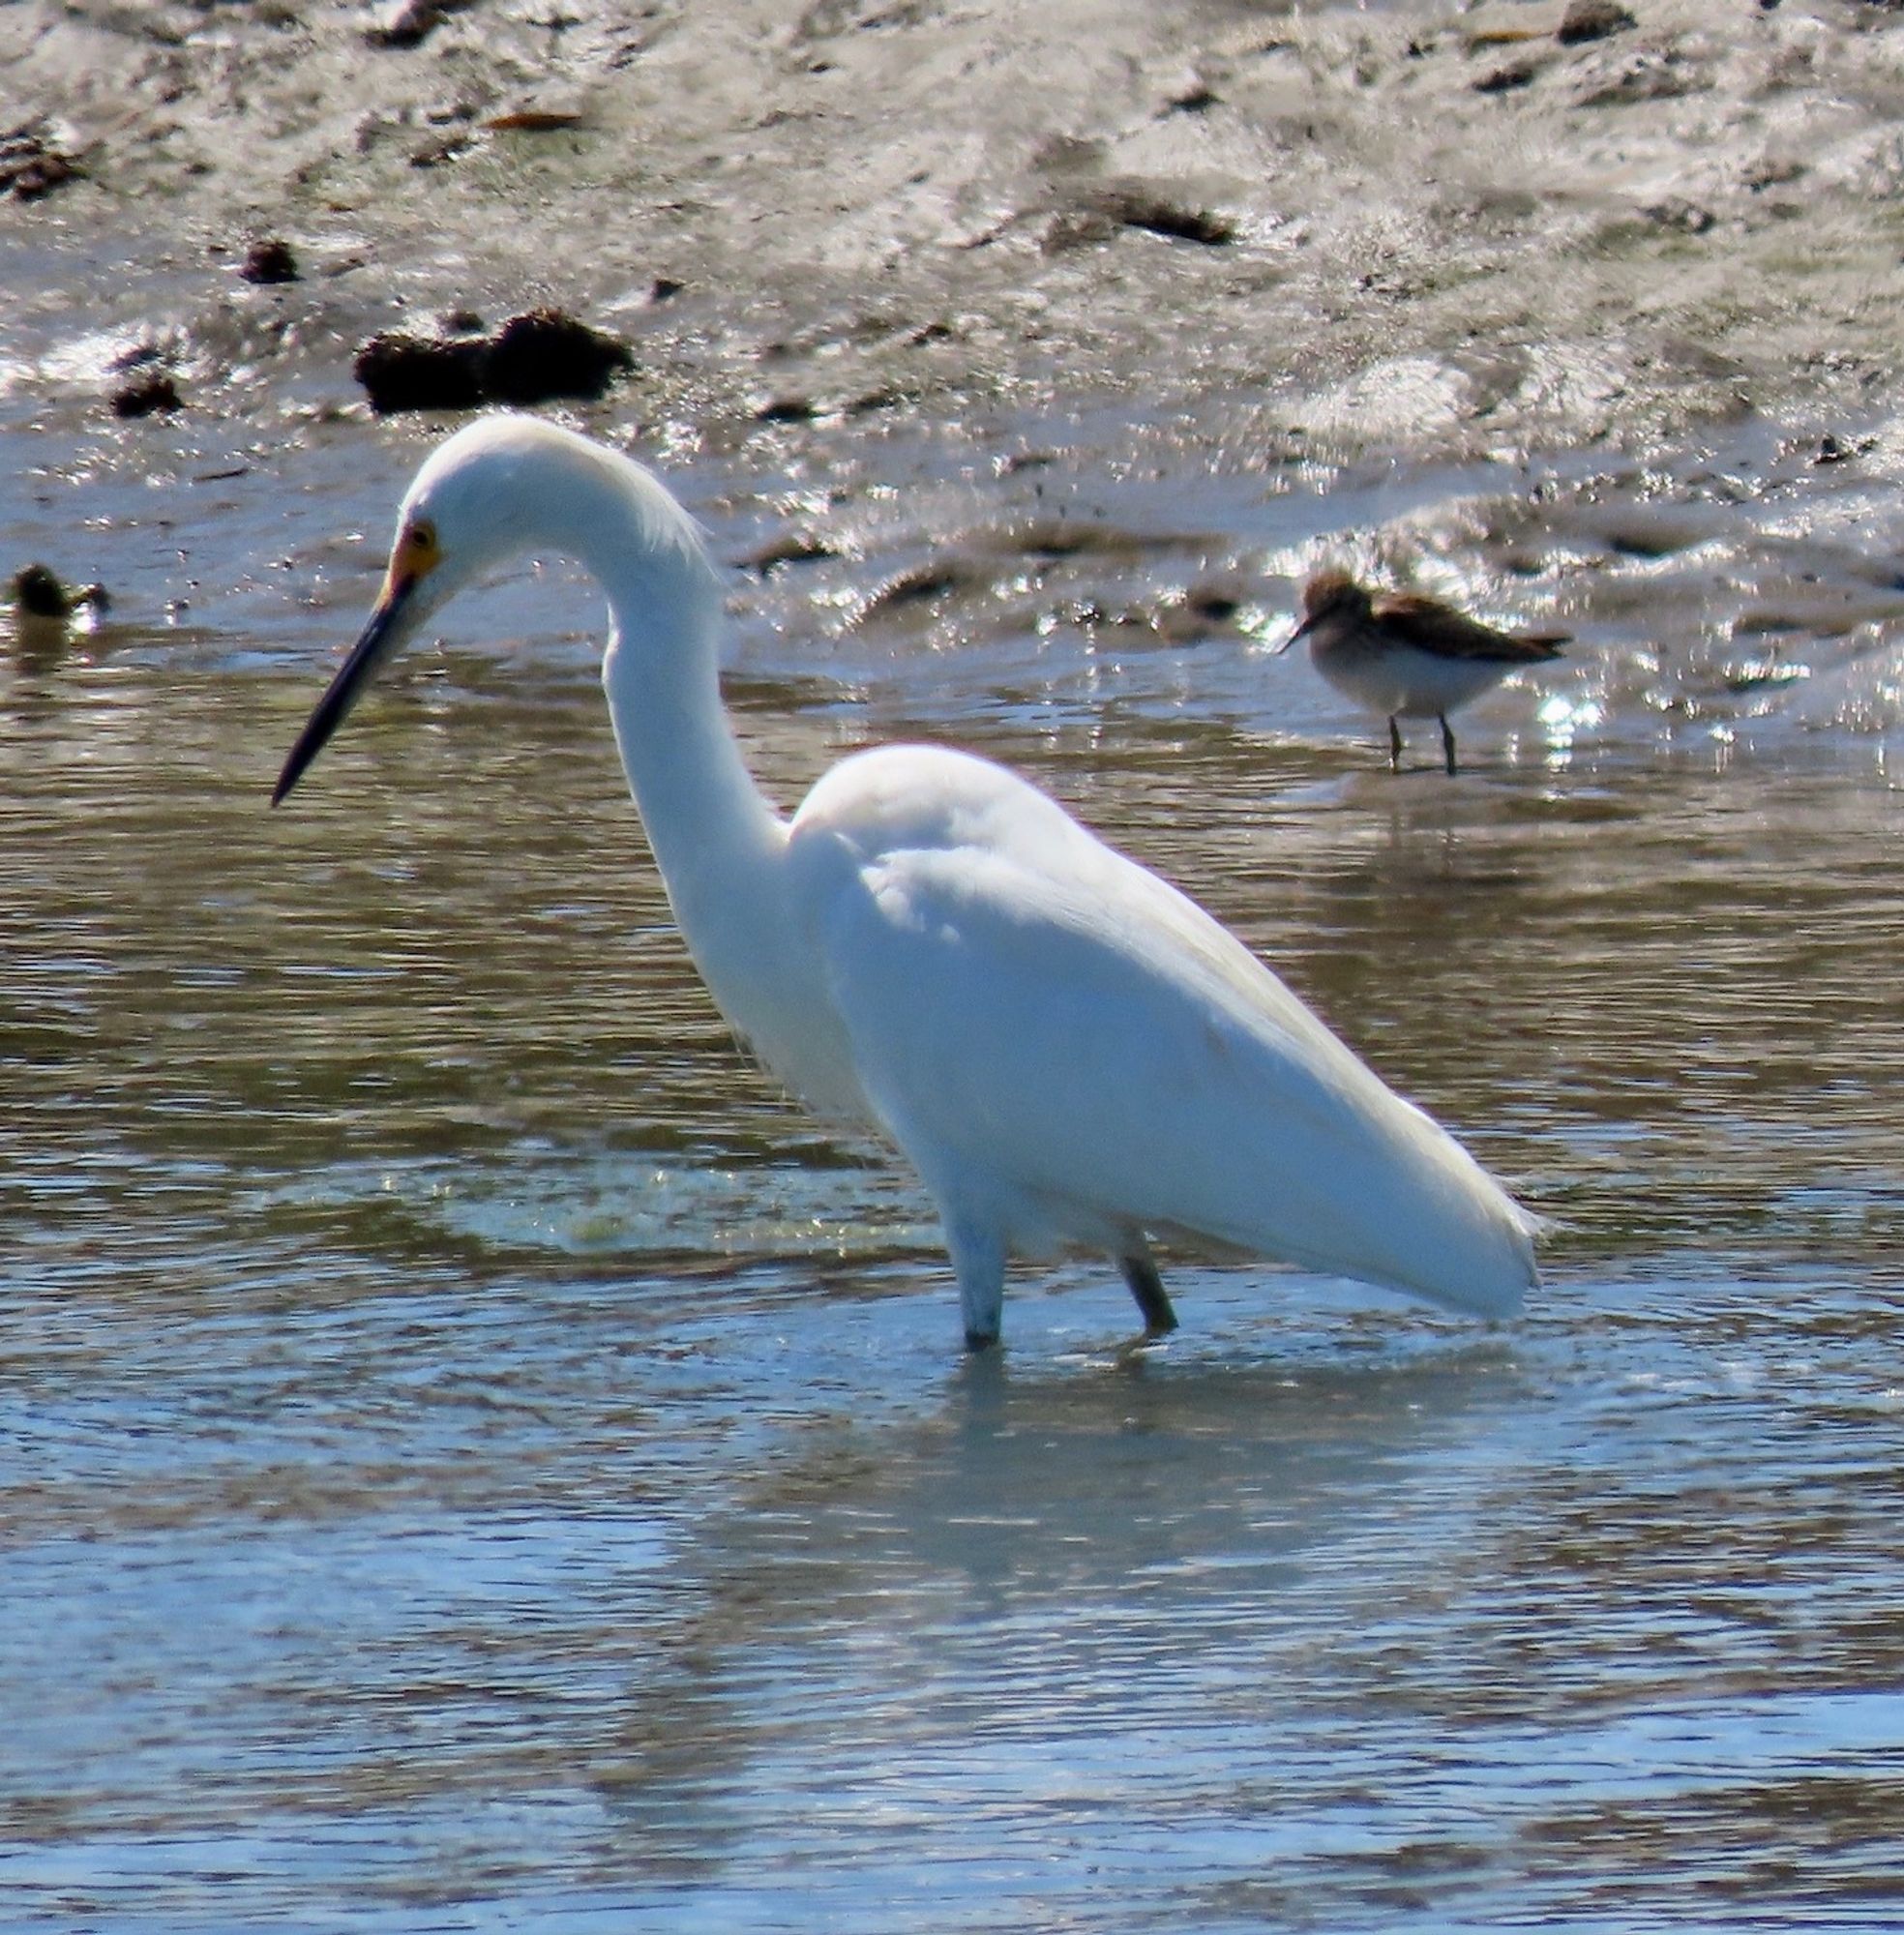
x=1562 y=717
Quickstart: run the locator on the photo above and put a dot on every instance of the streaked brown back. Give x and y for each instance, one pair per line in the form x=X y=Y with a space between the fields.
x=1431 y=626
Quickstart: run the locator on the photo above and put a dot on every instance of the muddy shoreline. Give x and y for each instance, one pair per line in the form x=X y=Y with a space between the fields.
x=1412 y=229
x=1595 y=329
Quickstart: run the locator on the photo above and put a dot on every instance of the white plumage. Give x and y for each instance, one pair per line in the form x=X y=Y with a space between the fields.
x=1068 y=1050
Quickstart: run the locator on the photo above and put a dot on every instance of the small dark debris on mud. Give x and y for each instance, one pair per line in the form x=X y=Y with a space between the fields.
x=39 y=592
x=411 y=23
x=531 y=359
x=1200 y=613
x=1158 y=215
x=31 y=166
x=534 y=121
x=921 y=587
x=421 y=373
x=1099 y=216
x=1509 y=77
x=545 y=353
x=270 y=260
x=782 y=551
x=1592 y=20
x=1758 y=674
x=1216 y=606
x=153 y=393
x=440 y=150
x=786 y=410
x=1198 y=98
x=1687 y=217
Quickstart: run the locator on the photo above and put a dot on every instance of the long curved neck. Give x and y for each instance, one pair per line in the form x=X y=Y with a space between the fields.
x=718 y=840
x=711 y=827
x=715 y=838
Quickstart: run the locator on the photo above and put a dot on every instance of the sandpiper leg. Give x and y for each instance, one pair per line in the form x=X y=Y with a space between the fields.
x=1153 y=1299
x=1394 y=747
x=1448 y=739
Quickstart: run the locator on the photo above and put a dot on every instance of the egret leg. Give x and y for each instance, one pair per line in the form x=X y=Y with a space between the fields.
x=1147 y=1287
x=1394 y=746
x=1448 y=739
x=978 y=1258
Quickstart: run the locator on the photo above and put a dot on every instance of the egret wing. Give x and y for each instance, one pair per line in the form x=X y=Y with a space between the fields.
x=1051 y=1021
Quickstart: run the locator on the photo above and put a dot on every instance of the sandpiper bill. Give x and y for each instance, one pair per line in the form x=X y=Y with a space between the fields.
x=1406 y=655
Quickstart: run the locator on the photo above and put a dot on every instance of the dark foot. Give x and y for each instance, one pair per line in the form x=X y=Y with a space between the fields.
x=981 y=1340
x=1153 y=1299
x=1394 y=747
x=1447 y=740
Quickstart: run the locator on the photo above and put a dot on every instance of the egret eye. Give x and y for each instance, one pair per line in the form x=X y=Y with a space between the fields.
x=417 y=549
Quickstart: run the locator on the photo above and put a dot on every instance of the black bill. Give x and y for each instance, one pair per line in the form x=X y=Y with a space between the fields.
x=384 y=627
x=1300 y=633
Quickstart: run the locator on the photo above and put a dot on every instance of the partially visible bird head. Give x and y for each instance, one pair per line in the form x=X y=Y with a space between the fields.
x=502 y=486
x=1330 y=595
x=1334 y=594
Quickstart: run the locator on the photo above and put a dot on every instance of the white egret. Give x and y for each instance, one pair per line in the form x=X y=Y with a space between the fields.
x=1408 y=656
x=1067 y=1050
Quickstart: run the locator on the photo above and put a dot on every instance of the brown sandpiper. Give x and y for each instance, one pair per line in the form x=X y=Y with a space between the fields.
x=1406 y=655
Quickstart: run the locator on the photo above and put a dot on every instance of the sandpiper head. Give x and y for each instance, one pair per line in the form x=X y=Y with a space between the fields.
x=1330 y=596
x=1334 y=594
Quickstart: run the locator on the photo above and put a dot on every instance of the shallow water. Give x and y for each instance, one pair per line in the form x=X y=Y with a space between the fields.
x=473 y=1458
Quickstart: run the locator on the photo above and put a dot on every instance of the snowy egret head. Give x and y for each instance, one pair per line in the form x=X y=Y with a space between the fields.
x=502 y=485
x=455 y=521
